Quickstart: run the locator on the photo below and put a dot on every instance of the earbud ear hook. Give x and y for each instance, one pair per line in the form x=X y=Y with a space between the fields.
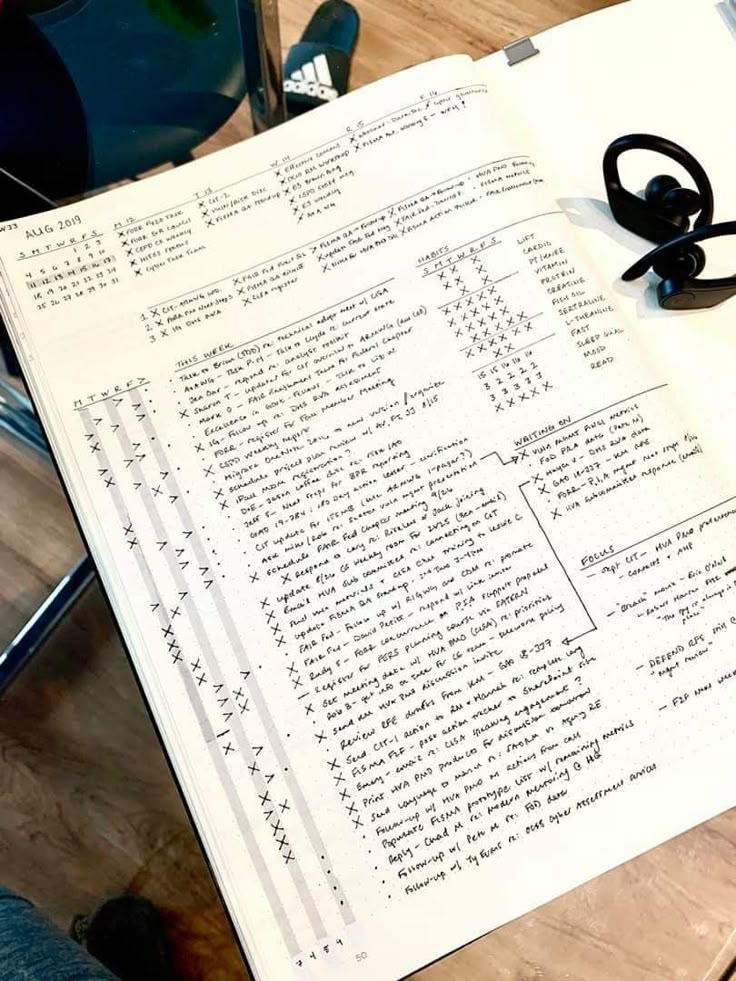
x=678 y=244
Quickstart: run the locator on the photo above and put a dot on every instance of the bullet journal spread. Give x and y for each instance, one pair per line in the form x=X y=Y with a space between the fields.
x=424 y=562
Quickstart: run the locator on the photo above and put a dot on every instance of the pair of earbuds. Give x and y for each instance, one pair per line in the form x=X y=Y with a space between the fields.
x=663 y=216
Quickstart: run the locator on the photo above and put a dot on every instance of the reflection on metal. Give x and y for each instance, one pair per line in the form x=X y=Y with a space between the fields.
x=18 y=419
x=44 y=621
x=259 y=20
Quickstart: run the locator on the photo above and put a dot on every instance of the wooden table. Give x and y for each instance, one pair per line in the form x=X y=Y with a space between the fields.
x=88 y=805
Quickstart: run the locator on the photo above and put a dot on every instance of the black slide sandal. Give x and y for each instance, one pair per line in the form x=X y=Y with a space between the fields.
x=317 y=69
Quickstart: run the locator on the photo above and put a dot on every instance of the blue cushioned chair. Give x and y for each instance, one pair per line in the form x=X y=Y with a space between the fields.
x=96 y=91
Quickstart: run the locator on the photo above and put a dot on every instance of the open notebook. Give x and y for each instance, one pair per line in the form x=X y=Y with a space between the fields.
x=418 y=525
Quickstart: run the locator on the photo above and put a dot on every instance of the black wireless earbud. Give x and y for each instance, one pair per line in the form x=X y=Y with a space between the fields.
x=679 y=262
x=663 y=216
x=667 y=206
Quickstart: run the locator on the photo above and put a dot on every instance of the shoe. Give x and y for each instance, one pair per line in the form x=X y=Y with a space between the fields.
x=128 y=936
x=317 y=69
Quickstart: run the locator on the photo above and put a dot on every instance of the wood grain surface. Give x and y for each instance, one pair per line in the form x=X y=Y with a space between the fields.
x=89 y=807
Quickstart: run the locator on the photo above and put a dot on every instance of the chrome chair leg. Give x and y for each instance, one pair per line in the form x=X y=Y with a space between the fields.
x=44 y=621
x=261 y=35
x=18 y=419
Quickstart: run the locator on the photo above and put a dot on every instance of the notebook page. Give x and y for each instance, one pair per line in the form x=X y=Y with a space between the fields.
x=665 y=565
x=367 y=512
x=210 y=351
x=598 y=78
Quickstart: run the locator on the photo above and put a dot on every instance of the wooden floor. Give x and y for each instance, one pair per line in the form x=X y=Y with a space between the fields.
x=88 y=805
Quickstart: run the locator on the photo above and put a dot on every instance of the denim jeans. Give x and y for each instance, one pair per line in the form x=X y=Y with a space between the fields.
x=32 y=949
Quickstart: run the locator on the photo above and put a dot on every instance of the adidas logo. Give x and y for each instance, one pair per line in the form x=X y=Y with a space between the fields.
x=313 y=79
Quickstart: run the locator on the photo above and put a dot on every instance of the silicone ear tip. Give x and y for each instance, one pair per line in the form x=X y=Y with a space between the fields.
x=684 y=264
x=689 y=201
x=658 y=186
x=699 y=260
